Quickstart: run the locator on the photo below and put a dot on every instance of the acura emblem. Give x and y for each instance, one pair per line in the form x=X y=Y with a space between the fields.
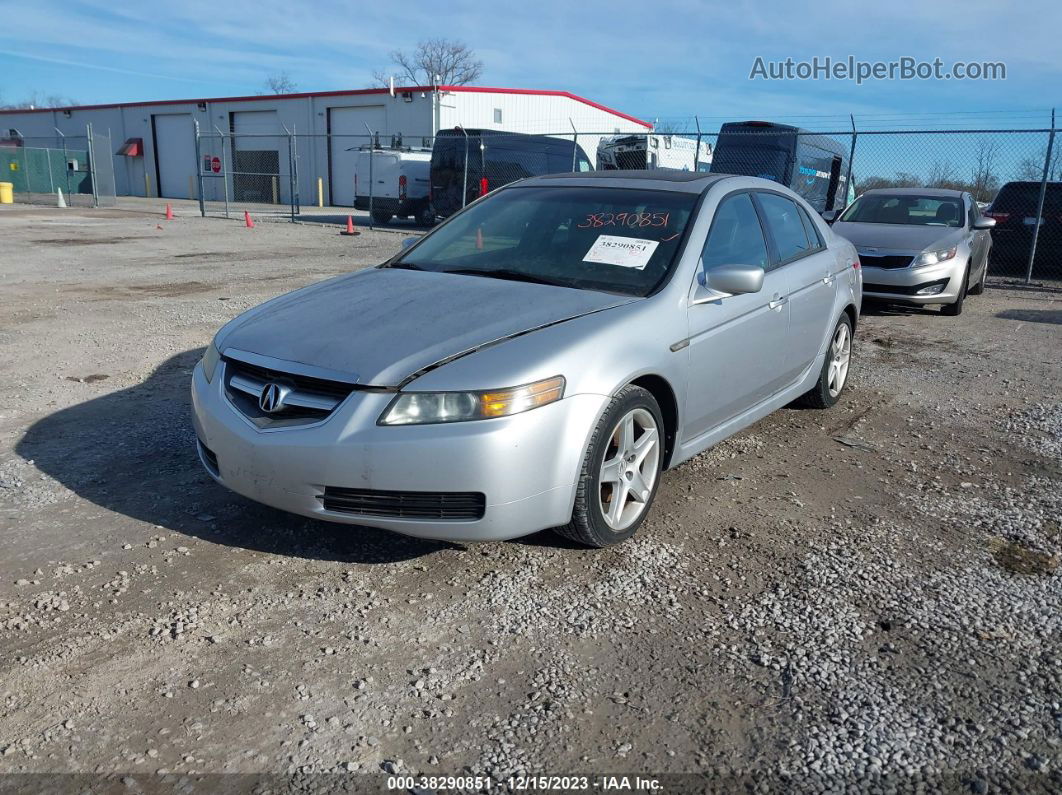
x=272 y=398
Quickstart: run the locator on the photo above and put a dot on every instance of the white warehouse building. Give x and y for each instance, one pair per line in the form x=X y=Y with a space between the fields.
x=155 y=147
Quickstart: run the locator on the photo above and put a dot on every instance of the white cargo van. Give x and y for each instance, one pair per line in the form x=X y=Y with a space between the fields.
x=652 y=151
x=400 y=181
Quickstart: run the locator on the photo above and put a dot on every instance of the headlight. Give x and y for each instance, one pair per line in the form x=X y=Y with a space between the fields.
x=418 y=408
x=934 y=257
x=210 y=362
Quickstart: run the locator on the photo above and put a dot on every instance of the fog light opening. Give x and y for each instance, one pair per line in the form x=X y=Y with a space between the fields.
x=932 y=289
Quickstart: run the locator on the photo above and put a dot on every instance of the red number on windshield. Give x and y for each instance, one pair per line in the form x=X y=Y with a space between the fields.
x=629 y=220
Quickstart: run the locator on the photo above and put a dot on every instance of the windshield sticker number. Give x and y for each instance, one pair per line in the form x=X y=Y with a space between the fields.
x=629 y=220
x=626 y=252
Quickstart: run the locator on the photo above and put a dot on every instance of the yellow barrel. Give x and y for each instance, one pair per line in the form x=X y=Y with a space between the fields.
x=7 y=192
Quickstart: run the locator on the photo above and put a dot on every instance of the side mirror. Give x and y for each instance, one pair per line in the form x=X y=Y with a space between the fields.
x=409 y=241
x=829 y=216
x=984 y=222
x=723 y=281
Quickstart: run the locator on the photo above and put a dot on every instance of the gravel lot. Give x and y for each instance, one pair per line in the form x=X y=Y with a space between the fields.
x=844 y=600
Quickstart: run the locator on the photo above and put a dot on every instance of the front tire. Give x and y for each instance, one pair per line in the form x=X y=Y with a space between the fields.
x=955 y=309
x=834 y=374
x=620 y=472
x=979 y=288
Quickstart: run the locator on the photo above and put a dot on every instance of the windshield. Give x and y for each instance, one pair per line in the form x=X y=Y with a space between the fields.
x=751 y=161
x=611 y=239
x=906 y=210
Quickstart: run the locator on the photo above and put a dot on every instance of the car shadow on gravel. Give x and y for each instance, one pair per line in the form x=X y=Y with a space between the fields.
x=876 y=308
x=133 y=453
x=1032 y=315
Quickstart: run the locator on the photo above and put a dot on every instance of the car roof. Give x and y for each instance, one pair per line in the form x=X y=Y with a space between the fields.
x=660 y=179
x=1029 y=183
x=915 y=191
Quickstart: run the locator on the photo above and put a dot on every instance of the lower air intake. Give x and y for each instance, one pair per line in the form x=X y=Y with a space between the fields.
x=454 y=505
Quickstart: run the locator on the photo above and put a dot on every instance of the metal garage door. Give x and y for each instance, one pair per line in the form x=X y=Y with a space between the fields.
x=259 y=158
x=347 y=128
x=175 y=155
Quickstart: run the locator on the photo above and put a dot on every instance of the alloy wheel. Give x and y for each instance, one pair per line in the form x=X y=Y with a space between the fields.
x=629 y=469
x=840 y=355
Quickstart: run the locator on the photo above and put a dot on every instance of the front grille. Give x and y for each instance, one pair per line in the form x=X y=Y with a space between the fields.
x=307 y=399
x=885 y=261
x=631 y=161
x=405 y=504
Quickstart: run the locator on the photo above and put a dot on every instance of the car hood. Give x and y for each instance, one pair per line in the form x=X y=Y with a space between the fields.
x=381 y=326
x=896 y=237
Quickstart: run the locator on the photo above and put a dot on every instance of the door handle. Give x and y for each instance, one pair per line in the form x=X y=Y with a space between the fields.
x=777 y=302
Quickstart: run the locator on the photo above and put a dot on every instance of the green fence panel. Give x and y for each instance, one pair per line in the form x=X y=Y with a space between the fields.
x=35 y=170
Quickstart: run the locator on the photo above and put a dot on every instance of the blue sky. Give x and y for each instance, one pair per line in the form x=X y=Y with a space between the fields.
x=661 y=60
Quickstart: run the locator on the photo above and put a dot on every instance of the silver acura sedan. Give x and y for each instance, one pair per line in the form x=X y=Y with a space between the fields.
x=535 y=361
x=919 y=245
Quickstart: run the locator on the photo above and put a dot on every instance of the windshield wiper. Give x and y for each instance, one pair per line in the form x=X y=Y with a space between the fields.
x=504 y=273
x=407 y=266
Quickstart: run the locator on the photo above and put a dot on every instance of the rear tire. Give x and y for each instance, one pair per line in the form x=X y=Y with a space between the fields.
x=425 y=216
x=620 y=472
x=834 y=374
x=955 y=309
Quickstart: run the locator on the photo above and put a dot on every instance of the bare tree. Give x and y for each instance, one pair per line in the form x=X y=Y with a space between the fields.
x=38 y=100
x=901 y=179
x=280 y=83
x=1031 y=169
x=943 y=175
x=452 y=61
x=671 y=127
x=985 y=182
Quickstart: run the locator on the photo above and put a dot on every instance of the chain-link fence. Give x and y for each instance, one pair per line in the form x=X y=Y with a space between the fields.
x=240 y=173
x=1014 y=176
x=81 y=167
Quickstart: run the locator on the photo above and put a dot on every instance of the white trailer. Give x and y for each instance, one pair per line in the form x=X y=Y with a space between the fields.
x=399 y=180
x=652 y=151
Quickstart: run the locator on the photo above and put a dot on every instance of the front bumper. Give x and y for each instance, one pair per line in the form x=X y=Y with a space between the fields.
x=902 y=284
x=526 y=465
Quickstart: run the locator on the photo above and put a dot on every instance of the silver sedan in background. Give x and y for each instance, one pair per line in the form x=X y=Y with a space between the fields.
x=919 y=245
x=535 y=361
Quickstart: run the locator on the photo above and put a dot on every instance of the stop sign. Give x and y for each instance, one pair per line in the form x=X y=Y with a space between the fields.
x=215 y=165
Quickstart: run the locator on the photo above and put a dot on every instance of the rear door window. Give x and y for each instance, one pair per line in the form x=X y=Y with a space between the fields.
x=814 y=238
x=785 y=226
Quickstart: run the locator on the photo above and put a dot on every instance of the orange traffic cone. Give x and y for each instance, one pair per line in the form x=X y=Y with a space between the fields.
x=169 y=211
x=247 y=220
x=350 y=230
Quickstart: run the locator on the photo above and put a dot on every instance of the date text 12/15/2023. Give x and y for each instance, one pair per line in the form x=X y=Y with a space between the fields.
x=617 y=783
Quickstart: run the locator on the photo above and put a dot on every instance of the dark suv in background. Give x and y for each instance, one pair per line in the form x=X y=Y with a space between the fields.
x=1014 y=209
x=495 y=158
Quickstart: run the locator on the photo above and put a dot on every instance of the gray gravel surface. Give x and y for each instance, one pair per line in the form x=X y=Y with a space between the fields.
x=868 y=598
